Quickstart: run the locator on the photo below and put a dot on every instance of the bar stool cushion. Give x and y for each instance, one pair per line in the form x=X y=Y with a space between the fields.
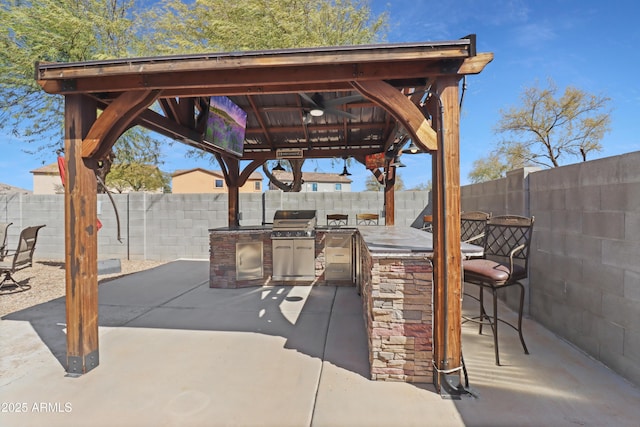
x=491 y=271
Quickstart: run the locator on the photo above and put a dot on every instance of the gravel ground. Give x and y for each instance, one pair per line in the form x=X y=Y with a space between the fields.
x=46 y=279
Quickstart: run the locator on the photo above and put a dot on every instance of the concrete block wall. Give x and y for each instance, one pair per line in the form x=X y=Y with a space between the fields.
x=409 y=205
x=585 y=271
x=505 y=196
x=584 y=281
x=24 y=210
x=171 y=226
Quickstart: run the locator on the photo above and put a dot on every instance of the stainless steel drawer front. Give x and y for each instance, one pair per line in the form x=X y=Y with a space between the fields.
x=339 y=257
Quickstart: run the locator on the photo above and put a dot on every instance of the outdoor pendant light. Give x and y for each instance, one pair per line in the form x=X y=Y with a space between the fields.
x=278 y=167
x=412 y=149
x=345 y=171
x=397 y=163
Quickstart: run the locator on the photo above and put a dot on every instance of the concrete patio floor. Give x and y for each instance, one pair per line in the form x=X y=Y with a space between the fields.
x=174 y=352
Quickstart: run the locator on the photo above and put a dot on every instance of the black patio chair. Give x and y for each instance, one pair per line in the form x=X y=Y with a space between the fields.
x=505 y=263
x=22 y=257
x=4 y=226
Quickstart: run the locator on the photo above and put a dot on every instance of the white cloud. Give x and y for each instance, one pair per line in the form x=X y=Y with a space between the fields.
x=535 y=35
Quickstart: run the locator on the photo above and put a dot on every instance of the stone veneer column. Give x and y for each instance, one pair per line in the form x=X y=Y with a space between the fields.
x=397 y=298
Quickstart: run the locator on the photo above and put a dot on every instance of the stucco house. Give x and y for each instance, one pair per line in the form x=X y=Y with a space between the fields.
x=199 y=180
x=10 y=189
x=46 y=180
x=316 y=181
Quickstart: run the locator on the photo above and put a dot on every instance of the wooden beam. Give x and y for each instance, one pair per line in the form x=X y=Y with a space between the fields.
x=185 y=82
x=114 y=120
x=158 y=123
x=81 y=243
x=312 y=128
x=231 y=170
x=186 y=112
x=407 y=113
x=259 y=89
x=447 y=280
x=264 y=130
x=267 y=59
x=248 y=170
x=316 y=153
x=389 y=196
x=475 y=64
x=170 y=108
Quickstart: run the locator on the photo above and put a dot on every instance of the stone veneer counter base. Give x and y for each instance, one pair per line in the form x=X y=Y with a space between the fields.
x=396 y=288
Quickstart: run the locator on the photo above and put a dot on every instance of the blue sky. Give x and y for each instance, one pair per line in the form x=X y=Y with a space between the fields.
x=592 y=45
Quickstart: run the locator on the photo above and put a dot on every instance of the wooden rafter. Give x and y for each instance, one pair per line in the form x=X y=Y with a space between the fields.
x=170 y=108
x=263 y=126
x=114 y=120
x=190 y=80
x=402 y=109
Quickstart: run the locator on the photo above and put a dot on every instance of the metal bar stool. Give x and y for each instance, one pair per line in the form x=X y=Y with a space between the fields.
x=504 y=263
x=367 y=219
x=337 y=219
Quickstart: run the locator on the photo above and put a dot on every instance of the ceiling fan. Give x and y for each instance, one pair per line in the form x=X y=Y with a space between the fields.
x=319 y=106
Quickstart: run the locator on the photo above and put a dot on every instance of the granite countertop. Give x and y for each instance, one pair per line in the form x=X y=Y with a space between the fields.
x=243 y=228
x=378 y=238
x=409 y=240
x=269 y=227
x=343 y=228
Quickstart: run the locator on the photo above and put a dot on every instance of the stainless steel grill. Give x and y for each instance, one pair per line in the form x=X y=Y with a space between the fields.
x=294 y=224
x=293 y=244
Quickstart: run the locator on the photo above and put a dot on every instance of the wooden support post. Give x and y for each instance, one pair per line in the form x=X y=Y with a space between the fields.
x=233 y=189
x=447 y=310
x=389 y=196
x=81 y=248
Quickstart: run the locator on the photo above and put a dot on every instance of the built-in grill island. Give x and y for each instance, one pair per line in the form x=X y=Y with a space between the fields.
x=293 y=241
x=388 y=266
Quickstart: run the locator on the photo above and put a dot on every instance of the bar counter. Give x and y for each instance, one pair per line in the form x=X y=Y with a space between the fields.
x=392 y=272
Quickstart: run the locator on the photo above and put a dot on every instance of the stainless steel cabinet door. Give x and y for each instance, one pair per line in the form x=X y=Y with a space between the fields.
x=283 y=263
x=305 y=258
x=249 y=261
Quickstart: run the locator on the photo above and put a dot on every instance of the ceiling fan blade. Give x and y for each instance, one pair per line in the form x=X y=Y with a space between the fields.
x=343 y=100
x=308 y=99
x=340 y=113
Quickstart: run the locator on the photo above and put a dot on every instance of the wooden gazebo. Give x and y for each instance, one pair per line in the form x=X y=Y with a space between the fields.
x=396 y=92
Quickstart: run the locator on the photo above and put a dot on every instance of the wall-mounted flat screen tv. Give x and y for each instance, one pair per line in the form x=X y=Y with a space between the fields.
x=226 y=124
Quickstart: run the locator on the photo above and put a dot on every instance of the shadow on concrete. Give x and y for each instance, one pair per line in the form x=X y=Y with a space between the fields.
x=177 y=352
x=555 y=385
x=321 y=322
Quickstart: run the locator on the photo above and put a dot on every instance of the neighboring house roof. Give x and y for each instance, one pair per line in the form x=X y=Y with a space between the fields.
x=254 y=175
x=285 y=176
x=8 y=189
x=50 y=169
